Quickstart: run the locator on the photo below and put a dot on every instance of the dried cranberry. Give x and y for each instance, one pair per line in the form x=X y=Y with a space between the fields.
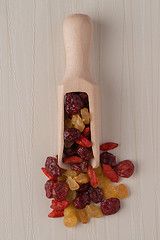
x=125 y=168
x=52 y=166
x=96 y=194
x=60 y=191
x=79 y=166
x=84 y=188
x=84 y=97
x=72 y=134
x=49 y=188
x=110 y=206
x=82 y=200
x=108 y=158
x=85 y=153
x=73 y=103
x=70 y=151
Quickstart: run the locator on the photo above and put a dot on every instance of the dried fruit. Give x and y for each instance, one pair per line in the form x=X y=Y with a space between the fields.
x=82 y=215
x=84 y=97
x=68 y=144
x=78 y=122
x=49 y=188
x=70 y=221
x=69 y=211
x=93 y=211
x=110 y=206
x=47 y=174
x=60 y=191
x=61 y=178
x=52 y=167
x=84 y=142
x=86 y=132
x=122 y=191
x=110 y=173
x=81 y=201
x=108 y=158
x=72 y=159
x=82 y=178
x=108 y=146
x=68 y=123
x=70 y=173
x=83 y=188
x=92 y=176
x=95 y=194
x=85 y=115
x=103 y=180
x=73 y=185
x=59 y=205
x=80 y=167
x=71 y=134
x=71 y=195
x=56 y=213
x=73 y=103
x=98 y=170
x=125 y=168
x=85 y=153
x=70 y=151
x=110 y=191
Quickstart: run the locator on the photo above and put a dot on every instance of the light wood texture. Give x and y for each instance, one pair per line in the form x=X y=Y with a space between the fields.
x=125 y=64
x=78 y=31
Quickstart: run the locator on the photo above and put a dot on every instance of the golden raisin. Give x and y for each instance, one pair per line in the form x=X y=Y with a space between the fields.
x=78 y=122
x=98 y=170
x=70 y=221
x=69 y=210
x=103 y=180
x=82 y=215
x=82 y=178
x=85 y=115
x=61 y=178
x=73 y=185
x=109 y=191
x=122 y=191
x=67 y=144
x=93 y=211
x=68 y=123
x=71 y=195
x=70 y=173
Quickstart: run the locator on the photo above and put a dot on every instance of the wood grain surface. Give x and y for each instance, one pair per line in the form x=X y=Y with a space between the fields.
x=126 y=65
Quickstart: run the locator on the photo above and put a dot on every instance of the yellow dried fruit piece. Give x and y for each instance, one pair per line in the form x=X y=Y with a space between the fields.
x=69 y=210
x=78 y=122
x=85 y=115
x=122 y=191
x=82 y=215
x=68 y=123
x=70 y=173
x=93 y=211
x=61 y=178
x=70 y=221
x=73 y=185
x=71 y=195
x=109 y=191
x=103 y=180
x=67 y=144
x=82 y=178
x=98 y=170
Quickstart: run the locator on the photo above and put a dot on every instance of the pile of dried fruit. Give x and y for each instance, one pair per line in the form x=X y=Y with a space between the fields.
x=76 y=191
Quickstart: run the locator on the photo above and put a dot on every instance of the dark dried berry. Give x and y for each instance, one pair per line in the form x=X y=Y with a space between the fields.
x=49 y=188
x=70 y=151
x=84 y=188
x=60 y=191
x=52 y=166
x=72 y=134
x=110 y=206
x=108 y=158
x=80 y=167
x=85 y=153
x=84 y=97
x=81 y=201
x=73 y=103
x=124 y=168
x=95 y=194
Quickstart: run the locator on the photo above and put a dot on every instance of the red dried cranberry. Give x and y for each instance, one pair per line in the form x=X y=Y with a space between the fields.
x=81 y=201
x=96 y=194
x=72 y=134
x=108 y=158
x=110 y=206
x=124 y=168
x=52 y=167
x=60 y=191
x=49 y=188
x=84 y=188
x=79 y=166
x=85 y=153
x=84 y=97
x=70 y=151
x=73 y=103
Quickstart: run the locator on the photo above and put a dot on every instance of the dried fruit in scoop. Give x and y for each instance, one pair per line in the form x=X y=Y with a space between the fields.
x=71 y=134
x=73 y=103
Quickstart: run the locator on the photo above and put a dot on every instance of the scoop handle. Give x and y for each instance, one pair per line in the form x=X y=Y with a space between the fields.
x=78 y=34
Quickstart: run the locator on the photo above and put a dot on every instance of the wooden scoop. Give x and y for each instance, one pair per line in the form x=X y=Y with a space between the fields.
x=78 y=32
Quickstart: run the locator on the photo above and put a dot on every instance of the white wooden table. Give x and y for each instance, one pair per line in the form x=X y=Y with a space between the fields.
x=126 y=64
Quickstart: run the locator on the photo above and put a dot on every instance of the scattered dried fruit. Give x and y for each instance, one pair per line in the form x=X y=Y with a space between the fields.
x=84 y=142
x=47 y=174
x=84 y=188
x=122 y=191
x=71 y=195
x=108 y=158
x=82 y=215
x=69 y=211
x=85 y=153
x=68 y=144
x=73 y=185
x=82 y=178
x=103 y=180
x=70 y=221
x=110 y=173
x=98 y=170
x=80 y=167
x=59 y=205
x=92 y=176
x=81 y=201
x=108 y=146
x=49 y=188
x=52 y=167
x=71 y=134
x=70 y=173
x=93 y=211
x=110 y=206
x=60 y=191
x=72 y=159
x=56 y=213
x=86 y=132
x=70 y=151
x=125 y=168
x=110 y=191
x=95 y=194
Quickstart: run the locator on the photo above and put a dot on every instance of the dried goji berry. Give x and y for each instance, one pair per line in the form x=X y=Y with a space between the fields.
x=92 y=176
x=47 y=174
x=86 y=132
x=56 y=213
x=108 y=146
x=59 y=205
x=110 y=173
x=84 y=142
x=72 y=159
